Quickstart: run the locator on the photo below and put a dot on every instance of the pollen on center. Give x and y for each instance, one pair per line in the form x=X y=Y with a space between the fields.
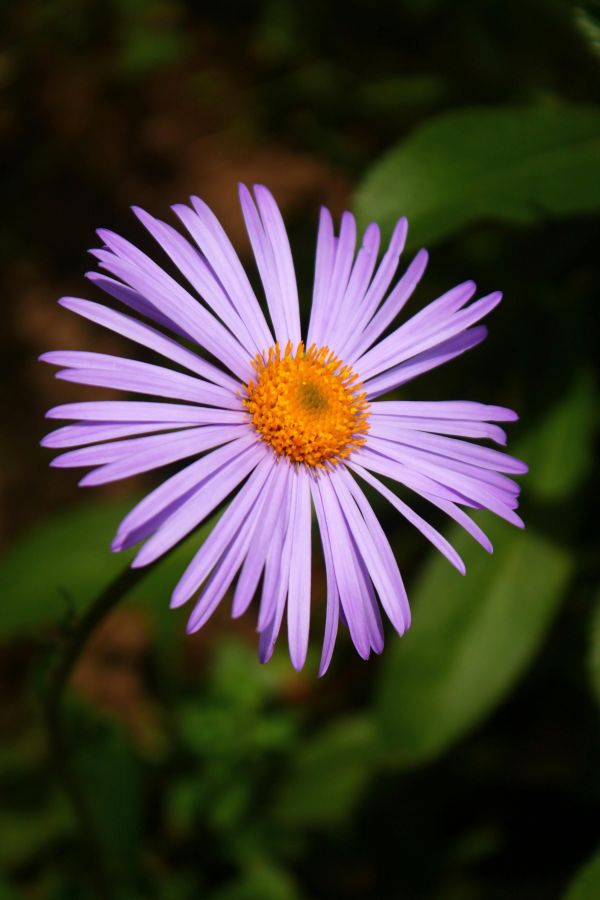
x=307 y=404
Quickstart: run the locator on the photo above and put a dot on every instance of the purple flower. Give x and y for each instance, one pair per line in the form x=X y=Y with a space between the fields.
x=284 y=426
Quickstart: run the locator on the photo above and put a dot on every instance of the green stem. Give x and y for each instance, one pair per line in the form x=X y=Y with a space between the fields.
x=98 y=867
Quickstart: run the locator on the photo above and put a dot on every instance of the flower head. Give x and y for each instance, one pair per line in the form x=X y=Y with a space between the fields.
x=283 y=425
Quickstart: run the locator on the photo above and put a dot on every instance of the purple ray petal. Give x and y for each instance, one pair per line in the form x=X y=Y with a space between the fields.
x=465 y=451
x=374 y=548
x=437 y=356
x=194 y=268
x=138 y=377
x=226 y=570
x=224 y=532
x=254 y=563
x=145 y=411
x=91 y=432
x=333 y=595
x=154 y=454
x=151 y=338
x=438 y=426
x=211 y=492
x=188 y=479
x=298 y=606
x=217 y=249
x=431 y=533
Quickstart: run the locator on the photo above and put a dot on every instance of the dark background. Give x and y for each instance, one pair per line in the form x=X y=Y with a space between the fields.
x=463 y=763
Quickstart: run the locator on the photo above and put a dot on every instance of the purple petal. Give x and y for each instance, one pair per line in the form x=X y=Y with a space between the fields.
x=255 y=560
x=224 y=531
x=211 y=492
x=333 y=595
x=217 y=249
x=182 y=483
x=153 y=454
x=437 y=539
x=151 y=338
x=144 y=411
x=139 y=377
x=298 y=608
x=437 y=356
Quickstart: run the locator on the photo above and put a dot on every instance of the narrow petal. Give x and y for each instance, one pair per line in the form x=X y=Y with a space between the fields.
x=223 y=532
x=403 y=344
x=280 y=287
x=374 y=548
x=298 y=607
x=276 y=234
x=333 y=596
x=391 y=307
x=342 y=554
x=254 y=563
x=144 y=411
x=438 y=426
x=136 y=525
x=195 y=269
x=177 y=304
x=444 y=409
x=150 y=450
x=468 y=452
x=155 y=454
x=431 y=359
x=208 y=233
x=214 y=489
x=139 y=377
x=324 y=260
x=437 y=539
x=92 y=432
x=226 y=570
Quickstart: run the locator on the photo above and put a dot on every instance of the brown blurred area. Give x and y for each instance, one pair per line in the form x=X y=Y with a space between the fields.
x=83 y=145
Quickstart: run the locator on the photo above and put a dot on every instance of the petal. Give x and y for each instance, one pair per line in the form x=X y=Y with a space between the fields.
x=224 y=531
x=298 y=606
x=437 y=356
x=208 y=233
x=152 y=454
x=194 y=268
x=137 y=523
x=144 y=411
x=214 y=489
x=437 y=539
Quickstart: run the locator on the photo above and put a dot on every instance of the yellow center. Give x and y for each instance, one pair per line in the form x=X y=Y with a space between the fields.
x=307 y=405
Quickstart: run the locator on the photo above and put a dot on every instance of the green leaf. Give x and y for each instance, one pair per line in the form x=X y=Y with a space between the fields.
x=586 y=885
x=512 y=163
x=329 y=774
x=470 y=639
x=62 y=564
x=562 y=445
x=110 y=772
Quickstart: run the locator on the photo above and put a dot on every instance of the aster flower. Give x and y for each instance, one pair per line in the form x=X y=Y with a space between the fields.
x=283 y=425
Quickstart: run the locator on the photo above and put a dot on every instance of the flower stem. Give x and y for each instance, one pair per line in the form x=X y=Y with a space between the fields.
x=98 y=867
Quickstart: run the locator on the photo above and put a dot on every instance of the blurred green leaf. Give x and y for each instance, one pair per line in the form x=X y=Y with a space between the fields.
x=566 y=436
x=262 y=882
x=586 y=885
x=110 y=772
x=329 y=774
x=469 y=641
x=62 y=564
x=26 y=835
x=511 y=163
x=471 y=638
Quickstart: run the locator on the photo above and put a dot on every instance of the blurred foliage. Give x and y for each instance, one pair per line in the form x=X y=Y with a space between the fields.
x=463 y=764
x=517 y=164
